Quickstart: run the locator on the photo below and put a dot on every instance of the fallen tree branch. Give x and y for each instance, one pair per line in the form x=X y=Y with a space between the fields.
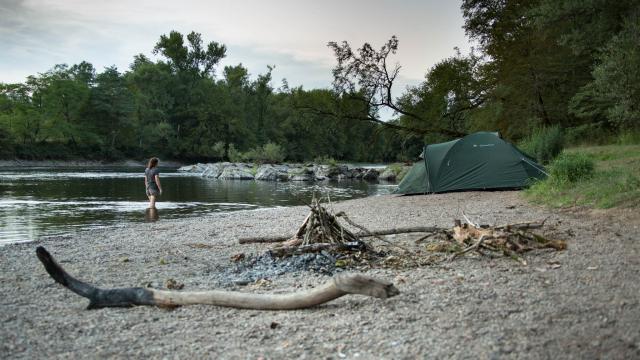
x=338 y=286
x=317 y=247
x=392 y=231
x=265 y=239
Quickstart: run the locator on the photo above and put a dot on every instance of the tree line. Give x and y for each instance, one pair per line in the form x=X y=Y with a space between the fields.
x=572 y=65
x=178 y=107
x=569 y=64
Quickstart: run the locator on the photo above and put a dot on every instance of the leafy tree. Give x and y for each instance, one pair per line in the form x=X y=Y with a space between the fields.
x=190 y=64
x=451 y=91
x=113 y=106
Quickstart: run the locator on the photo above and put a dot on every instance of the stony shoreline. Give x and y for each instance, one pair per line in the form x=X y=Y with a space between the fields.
x=579 y=303
x=287 y=172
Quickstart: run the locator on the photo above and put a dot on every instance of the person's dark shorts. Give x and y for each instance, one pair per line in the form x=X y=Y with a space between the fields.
x=153 y=192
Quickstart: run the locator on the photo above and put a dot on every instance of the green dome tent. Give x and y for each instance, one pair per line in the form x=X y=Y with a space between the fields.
x=477 y=161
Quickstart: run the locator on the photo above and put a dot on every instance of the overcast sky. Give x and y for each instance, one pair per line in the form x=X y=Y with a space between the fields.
x=290 y=34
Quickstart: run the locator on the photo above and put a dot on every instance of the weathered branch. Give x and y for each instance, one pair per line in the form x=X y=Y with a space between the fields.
x=416 y=229
x=317 y=247
x=338 y=286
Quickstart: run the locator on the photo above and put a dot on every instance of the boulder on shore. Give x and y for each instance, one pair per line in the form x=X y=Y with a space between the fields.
x=236 y=173
x=285 y=172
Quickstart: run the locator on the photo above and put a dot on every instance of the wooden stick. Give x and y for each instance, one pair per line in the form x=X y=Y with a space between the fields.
x=339 y=285
x=416 y=229
x=264 y=239
x=303 y=249
x=470 y=248
x=469 y=221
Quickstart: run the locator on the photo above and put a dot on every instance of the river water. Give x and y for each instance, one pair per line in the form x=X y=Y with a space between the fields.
x=42 y=202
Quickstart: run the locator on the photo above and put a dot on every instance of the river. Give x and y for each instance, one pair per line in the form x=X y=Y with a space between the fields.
x=40 y=202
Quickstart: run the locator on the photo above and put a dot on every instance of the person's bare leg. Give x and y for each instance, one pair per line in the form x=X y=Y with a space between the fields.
x=152 y=201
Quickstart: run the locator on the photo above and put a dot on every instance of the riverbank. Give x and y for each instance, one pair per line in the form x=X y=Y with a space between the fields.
x=578 y=303
x=308 y=172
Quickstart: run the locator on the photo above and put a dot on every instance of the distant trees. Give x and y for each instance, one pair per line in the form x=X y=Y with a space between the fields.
x=560 y=64
x=180 y=106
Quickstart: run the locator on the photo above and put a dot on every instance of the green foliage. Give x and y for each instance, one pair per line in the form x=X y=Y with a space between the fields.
x=571 y=168
x=234 y=154
x=7 y=149
x=614 y=183
x=556 y=62
x=629 y=138
x=588 y=134
x=544 y=64
x=617 y=75
x=270 y=153
x=544 y=144
x=325 y=160
x=217 y=150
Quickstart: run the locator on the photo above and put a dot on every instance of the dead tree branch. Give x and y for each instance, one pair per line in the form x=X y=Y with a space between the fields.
x=339 y=285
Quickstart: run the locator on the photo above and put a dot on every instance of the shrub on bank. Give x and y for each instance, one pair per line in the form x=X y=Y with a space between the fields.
x=571 y=168
x=270 y=153
x=588 y=134
x=615 y=182
x=326 y=160
x=234 y=154
x=629 y=138
x=544 y=144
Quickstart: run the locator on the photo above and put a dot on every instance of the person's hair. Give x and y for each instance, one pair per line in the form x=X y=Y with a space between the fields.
x=153 y=162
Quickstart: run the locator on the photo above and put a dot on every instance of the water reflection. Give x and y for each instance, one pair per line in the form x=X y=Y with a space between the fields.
x=41 y=202
x=151 y=215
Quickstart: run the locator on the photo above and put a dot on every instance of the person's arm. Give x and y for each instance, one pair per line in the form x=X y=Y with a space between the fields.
x=145 y=181
x=157 y=178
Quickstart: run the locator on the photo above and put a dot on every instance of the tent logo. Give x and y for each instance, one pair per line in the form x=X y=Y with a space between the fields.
x=483 y=145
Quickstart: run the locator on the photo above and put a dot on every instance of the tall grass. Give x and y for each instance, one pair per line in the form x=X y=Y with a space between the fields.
x=597 y=176
x=544 y=144
x=570 y=168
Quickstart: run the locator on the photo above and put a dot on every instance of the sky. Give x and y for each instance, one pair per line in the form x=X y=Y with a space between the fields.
x=290 y=34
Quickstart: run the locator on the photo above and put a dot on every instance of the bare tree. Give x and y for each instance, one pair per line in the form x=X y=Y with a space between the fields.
x=365 y=76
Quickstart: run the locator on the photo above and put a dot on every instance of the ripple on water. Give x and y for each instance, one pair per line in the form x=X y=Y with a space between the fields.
x=38 y=203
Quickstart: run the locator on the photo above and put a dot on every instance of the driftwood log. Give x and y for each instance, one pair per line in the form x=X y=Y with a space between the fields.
x=338 y=286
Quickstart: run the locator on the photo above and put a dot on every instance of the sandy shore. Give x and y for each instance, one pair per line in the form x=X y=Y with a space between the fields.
x=580 y=303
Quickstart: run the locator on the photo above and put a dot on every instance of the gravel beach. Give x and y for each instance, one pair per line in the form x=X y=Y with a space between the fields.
x=580 y=303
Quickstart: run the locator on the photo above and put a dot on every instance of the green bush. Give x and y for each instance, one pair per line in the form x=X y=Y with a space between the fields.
x=270 y=153
x=588 y=134
x=629 y=138
x=544 y=144
x=6 y=145
x=273 y=153
x=571 y=168
x=234 y=154
x=325 y=160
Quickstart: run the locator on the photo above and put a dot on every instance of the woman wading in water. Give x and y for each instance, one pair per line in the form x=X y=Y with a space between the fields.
x=152 y=182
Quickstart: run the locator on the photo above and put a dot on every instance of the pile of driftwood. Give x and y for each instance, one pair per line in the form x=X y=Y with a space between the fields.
x=322 y=230
x=510 y=240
